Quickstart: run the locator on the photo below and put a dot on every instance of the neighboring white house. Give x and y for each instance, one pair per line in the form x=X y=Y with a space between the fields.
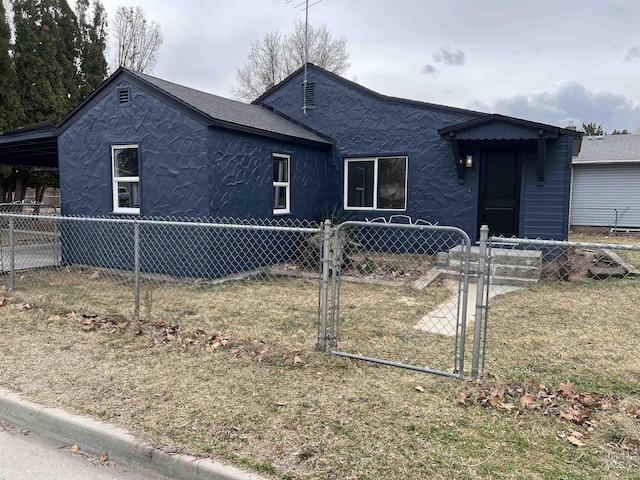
x=605 y=191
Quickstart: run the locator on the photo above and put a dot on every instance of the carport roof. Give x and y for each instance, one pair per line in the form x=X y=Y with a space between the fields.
x=33 y=145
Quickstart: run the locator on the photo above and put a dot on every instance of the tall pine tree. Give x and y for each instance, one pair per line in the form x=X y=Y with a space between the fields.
x=45 y=58
x=92 y=45
x=67 y=37
x=11 y=112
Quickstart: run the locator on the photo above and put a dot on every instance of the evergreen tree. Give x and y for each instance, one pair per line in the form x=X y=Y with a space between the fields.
x=11 y=112
x=591 y=128
x=67 y=35
x=92 y=46
x=36 y=60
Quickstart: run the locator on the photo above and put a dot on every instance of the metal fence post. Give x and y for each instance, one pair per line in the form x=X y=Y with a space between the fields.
x=324 y=282
x=477 y=326
x=12 y=256
x=136 y=267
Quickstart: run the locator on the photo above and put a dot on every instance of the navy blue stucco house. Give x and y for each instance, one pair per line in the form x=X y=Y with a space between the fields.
x=141 y=145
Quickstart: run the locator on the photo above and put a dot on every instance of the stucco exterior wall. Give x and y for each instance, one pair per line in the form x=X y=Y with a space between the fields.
x=172 y=153
x=362 y=125
x=241 y=176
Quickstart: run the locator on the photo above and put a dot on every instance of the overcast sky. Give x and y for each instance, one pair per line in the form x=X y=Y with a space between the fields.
x=550 y=61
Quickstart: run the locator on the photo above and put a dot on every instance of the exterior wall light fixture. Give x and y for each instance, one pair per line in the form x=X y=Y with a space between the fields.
x=469 y=161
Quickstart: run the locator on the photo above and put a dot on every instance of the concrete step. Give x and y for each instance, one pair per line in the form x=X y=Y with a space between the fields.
x=502 y=270
x=502 y=256
x=453 y=273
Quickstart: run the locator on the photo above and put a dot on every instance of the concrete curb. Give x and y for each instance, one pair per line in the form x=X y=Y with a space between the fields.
x=97 y=437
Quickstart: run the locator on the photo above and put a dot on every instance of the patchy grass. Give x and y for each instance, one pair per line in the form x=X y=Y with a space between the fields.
x=230 y=371
x=633 y=257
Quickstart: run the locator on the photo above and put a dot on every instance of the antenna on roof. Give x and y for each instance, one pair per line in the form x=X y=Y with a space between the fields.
x=306 y=6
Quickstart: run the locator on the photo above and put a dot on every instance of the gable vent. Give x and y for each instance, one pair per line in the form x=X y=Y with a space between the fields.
x=124 y=96
x=309 y=95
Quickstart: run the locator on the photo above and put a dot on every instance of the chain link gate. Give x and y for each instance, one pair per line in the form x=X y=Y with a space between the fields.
x=398 y=295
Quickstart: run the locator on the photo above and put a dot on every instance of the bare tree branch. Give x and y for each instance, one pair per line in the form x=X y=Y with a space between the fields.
x=273 y=58
x=137 y=41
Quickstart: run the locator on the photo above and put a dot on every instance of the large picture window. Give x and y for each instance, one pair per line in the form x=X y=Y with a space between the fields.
x=375 y=183
x=281 y=183
x=126 y=178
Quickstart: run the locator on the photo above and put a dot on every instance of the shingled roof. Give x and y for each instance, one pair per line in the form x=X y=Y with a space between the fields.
x=212 y=110
x=232 y=112
x=609 y=149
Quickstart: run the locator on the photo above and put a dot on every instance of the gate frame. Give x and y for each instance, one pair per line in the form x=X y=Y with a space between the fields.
x=329 y=316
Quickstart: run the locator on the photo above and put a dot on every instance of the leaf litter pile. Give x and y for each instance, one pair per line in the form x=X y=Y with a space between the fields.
x=232 y=373
x=579 y=408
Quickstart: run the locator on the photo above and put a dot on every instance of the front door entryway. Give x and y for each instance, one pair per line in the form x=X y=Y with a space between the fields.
x=499 y=192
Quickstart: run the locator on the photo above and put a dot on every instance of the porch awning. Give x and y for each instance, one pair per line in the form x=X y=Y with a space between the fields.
x=34 y=145
x=499 y=127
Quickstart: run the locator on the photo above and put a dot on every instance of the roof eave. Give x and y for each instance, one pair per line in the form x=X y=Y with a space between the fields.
x=17 y=136
x=369 y=92
x=267 y=133
x=445 y=131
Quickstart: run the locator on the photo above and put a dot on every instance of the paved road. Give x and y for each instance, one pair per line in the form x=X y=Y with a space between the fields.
x=29 y=457
x=31 y=256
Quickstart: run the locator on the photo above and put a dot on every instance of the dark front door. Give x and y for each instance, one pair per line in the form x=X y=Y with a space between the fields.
x=499 y=192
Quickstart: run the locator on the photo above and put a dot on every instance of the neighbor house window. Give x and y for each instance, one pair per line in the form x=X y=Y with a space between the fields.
x=375 y=183
x=126 y=179
x=281 y=183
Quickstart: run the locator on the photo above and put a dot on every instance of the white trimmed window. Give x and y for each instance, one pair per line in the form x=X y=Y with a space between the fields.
x=126 y=178
x=281 y=183
x=378 y=183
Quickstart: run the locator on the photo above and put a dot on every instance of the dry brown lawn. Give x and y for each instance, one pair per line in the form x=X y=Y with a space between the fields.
x=231 y=371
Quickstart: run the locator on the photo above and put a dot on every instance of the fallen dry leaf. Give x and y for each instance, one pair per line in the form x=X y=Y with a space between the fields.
x=104 y=457
x=297 y=360
x=575 y=441
x=419 y=389
x=75 y=447
x=527 y=401
x=3 y=302
x=567 y=389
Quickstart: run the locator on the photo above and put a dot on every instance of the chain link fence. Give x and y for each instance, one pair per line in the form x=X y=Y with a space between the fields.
x=608 y=219
x=248 y=283
x=399 y=295
x=395 y=294
x=562 y=309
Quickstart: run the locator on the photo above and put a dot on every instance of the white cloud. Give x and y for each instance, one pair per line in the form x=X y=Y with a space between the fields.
x=568 y=102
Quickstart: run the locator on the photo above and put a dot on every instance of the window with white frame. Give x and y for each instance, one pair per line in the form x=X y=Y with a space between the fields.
x=126 y=178
x=378 y=183
x=281 y=183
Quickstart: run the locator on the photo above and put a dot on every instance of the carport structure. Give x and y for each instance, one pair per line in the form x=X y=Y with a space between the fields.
x=34 y=145
x=32 y=242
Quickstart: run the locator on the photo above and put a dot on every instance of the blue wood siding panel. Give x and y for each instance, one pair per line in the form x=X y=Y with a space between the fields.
x=544 y=208
x=498 y=131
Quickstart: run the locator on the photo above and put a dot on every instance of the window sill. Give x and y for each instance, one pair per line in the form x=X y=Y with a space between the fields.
x=280 y=213
x=371 y=209
x=125 y=214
